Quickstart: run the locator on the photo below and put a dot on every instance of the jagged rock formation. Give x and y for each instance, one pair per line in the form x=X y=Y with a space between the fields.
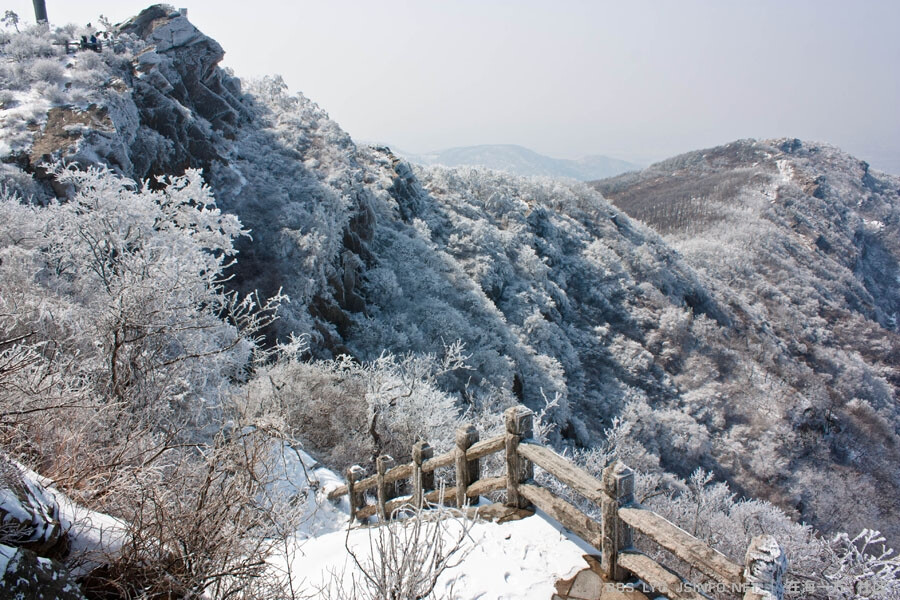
x=164 y=105
x=181 y=94
x=25 y=574
x=30 y=515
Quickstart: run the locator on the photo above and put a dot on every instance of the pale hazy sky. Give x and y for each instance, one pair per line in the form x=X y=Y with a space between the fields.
x=634 y=79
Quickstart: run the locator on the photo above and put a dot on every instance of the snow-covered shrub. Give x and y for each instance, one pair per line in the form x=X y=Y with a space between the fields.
x=7 y=99
x=48 y=70
x=199 y=525
x=348 y=412
x=119 y=352
x=317 y=404
x=862 y=566
x=8 y=79
x=116 y=295
x=405 y=557
x=33 y=42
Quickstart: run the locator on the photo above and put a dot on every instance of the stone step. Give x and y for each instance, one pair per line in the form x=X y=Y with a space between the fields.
x=589 y=584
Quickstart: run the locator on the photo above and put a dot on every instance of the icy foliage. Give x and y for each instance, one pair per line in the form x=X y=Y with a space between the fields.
x=800 y=240
x=119 y=347
x=130 y=281
x=347 y=412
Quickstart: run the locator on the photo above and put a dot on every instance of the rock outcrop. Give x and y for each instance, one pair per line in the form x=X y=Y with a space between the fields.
x=275 y=160
x=24 y=574
x=29 y=513
x=181 y=94
x=32 y=539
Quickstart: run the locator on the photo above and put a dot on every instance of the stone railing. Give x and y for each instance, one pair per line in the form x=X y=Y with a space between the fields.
x=760 y=578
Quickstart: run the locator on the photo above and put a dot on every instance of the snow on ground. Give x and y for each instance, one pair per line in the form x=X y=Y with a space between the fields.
x=93 y=536
x=298 y=479
x=513 y=560
x=518 y=559
x=505 y=561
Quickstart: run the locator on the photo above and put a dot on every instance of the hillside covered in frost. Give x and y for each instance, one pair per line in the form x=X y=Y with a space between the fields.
x=801 y=241
x=194 y=266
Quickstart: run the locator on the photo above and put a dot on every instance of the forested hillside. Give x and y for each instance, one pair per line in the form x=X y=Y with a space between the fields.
x=195 y=263
x=801 y=241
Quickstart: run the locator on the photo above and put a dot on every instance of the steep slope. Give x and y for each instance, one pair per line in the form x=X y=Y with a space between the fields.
x=334 y=225
x=802 y=241
x=555 y=293
x=551 y=289
x=155 y=103
x=517 y=160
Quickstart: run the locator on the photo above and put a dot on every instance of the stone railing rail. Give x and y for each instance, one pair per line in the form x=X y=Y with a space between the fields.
x=759 y=578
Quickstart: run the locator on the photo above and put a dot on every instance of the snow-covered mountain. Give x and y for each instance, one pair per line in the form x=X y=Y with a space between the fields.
x=800 y=240
x=747 y=326
x=517 y=160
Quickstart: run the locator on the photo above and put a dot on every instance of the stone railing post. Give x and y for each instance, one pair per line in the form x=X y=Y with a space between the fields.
x=518 y=470
x=385 y=491
x=422 y=482
x=618 y=490
x=40 y=11
x=467 y=472
x=357 y=499
x=764 y=567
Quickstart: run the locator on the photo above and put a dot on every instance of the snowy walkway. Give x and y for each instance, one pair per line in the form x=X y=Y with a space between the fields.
x=515 y=560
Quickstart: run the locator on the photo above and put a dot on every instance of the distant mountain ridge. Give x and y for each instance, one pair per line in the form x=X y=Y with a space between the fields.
x=518 y=160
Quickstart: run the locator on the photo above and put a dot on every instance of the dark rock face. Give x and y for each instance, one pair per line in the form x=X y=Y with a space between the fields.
x=32 y=539
x=192 y=71
x=27 y=575
x=186 y=112
x=406 y=191
x=181 y=71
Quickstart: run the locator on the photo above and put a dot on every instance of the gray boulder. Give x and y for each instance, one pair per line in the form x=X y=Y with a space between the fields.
x=29 y=514
x=24 y=574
